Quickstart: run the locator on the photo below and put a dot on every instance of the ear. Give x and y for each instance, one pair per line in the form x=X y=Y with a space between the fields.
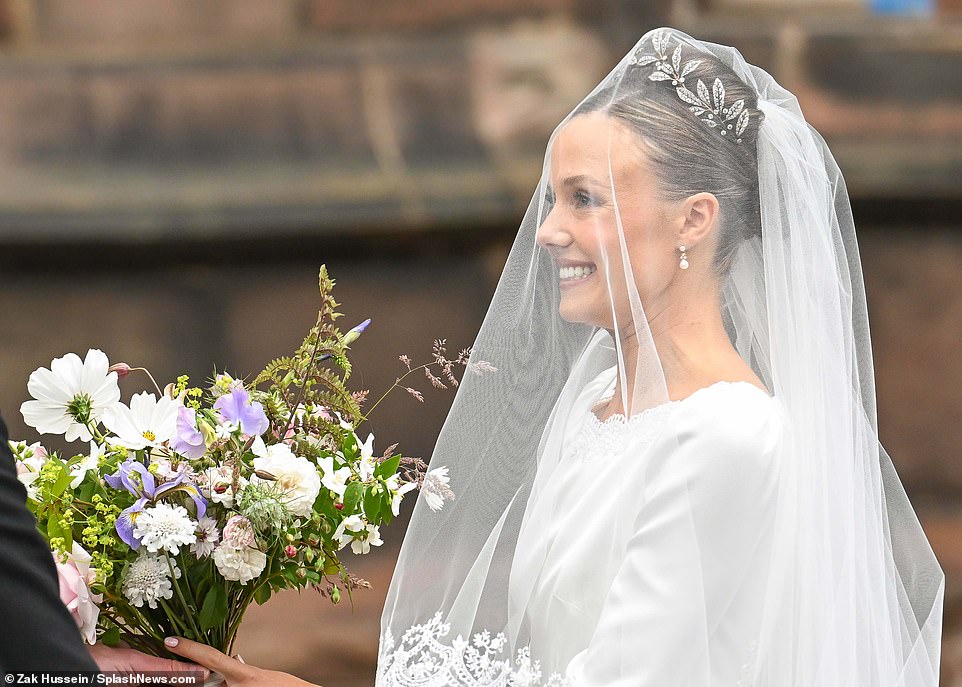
x=699 y=215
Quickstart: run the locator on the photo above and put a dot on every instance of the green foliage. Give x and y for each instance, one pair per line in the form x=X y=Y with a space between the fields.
x=214 y=610
x=301 y=380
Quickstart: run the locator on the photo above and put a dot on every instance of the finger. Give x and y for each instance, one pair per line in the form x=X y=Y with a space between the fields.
x=141 y=661
x=208 y=656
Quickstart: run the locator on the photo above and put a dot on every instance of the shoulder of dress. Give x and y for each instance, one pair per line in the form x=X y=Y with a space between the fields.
x=733 y=423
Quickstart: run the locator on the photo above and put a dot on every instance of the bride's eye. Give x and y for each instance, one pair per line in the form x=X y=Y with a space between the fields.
x=583 y=199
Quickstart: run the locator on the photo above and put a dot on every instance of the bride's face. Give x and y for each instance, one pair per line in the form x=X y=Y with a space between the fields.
x=581 y=229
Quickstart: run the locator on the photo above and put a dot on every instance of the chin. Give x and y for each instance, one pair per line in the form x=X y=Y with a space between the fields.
x=574 y=314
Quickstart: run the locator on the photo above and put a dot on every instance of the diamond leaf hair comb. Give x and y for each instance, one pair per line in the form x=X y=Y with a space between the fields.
x=709 y=107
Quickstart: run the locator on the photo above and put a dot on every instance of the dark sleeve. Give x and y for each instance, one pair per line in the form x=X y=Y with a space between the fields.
x=38 y=632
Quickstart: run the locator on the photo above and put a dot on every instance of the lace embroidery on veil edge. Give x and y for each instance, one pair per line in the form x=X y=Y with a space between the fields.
x=423 y=659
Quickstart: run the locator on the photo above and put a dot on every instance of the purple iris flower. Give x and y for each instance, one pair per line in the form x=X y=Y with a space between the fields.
x=188 y=441
x=134 y=476
x=237 y=408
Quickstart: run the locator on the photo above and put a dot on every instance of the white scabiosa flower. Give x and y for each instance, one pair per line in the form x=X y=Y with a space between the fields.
x=148 y=421
x=165 y=527
x=240 y=564
x=71 y=396
x=207 y=537
x=148 y=580
x=295 y=477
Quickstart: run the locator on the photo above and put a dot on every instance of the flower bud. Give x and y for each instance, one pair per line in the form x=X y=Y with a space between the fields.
x=339 y=506
x=290 y=551
x=122 y=369
x=353 y=335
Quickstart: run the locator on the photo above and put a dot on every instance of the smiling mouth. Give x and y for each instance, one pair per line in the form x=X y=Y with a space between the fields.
x=570 y=275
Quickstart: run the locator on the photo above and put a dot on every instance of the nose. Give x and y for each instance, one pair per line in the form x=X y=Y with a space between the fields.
x=550 y=233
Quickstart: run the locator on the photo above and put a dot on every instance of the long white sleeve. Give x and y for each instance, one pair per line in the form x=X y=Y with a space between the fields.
x=697 y=543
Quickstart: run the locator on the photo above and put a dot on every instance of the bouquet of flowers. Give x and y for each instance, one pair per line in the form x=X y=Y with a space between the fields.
x=192 y=503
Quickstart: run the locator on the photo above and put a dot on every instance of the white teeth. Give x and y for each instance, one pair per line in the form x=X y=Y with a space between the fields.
x=579 y=272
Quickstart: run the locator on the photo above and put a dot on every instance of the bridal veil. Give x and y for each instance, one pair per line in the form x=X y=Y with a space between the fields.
x=853 y=593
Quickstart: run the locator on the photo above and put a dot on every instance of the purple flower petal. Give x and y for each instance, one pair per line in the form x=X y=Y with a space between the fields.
x=237 y=408
x=188 y=441
x=188 y=488
x=125 y=524
x=124 y=478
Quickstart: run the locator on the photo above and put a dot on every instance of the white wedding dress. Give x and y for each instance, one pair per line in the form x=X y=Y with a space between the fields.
x=610 y=588
x=617 y=591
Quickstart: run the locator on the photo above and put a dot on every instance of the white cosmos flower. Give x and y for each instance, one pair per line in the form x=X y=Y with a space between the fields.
x=239 y=564
x=90 y=462
x=295 y=477
x=70 y=395
x=148 y=421
x=165 y=527
x=148 y=580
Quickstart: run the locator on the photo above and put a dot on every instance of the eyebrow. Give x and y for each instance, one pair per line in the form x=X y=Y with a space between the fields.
x=575 y=180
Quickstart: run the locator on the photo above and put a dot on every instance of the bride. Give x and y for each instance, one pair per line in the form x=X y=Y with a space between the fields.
x=674 y=477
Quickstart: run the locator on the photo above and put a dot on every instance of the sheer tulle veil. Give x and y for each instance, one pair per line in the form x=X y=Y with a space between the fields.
x=853 y=592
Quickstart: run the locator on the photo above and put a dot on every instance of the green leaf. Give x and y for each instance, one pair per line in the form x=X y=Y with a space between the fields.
x=388 y=467
x=63 y=481
x=111 y=637
x=53 y=523
x=351 y=496
x=262 y=594
x=372 y=504
x=214 y=610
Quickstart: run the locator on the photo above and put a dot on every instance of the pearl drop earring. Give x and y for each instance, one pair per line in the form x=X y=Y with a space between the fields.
x=683 y=263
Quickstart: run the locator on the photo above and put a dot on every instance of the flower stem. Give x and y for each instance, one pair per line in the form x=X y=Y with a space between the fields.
x=393 y=387
x=147 y=372
x=188 y=610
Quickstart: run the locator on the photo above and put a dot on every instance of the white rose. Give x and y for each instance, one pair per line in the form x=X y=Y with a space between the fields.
x=295 y=476
x=239 y=564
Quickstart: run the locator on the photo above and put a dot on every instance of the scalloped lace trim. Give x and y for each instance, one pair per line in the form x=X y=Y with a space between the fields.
x=603 y=438
x=424 y=659
x=598 y=438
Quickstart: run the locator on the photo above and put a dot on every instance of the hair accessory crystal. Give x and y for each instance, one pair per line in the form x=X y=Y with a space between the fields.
x=709 y=107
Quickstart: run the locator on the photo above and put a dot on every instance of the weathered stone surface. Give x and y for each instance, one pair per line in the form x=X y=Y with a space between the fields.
x=914 y=293
x=63 y=22
x=422 y=15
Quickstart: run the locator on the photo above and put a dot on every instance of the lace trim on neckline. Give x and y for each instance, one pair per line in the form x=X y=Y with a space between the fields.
x=424 y=659
x=619 y=418
x=597 y=438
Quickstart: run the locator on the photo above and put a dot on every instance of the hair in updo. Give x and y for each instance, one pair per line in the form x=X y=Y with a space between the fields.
x=687 y=155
